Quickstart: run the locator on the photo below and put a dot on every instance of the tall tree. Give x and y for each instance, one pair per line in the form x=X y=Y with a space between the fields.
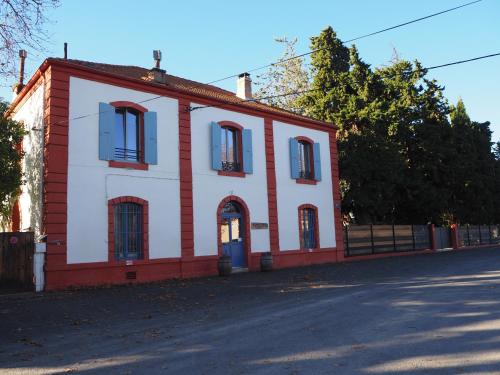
x=11 y=176
x=473 y=168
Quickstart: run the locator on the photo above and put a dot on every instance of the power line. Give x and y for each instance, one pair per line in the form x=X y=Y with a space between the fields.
x=311 y=90
x=350 y=40
x=302 y=55
x=257 y=100
x=463 y=61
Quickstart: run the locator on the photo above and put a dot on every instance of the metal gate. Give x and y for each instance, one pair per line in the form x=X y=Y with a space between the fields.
x=442 y=237
x=16 y=259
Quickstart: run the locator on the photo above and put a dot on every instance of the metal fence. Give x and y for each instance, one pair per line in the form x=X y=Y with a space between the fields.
x=378 y=239
x=473 y=235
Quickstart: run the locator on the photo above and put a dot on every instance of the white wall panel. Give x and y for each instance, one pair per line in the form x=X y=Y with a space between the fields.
x=91 y=182
x=291 y=194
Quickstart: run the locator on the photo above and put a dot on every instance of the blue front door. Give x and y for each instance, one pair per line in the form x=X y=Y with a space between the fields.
x=232 y=238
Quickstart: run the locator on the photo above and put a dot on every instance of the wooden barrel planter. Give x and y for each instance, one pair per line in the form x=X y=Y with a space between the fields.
x=224 y=265
x=266 y=262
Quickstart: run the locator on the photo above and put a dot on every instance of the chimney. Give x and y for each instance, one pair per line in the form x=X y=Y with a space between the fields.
x=157 y=74
x=19 y=86
x=244 y=87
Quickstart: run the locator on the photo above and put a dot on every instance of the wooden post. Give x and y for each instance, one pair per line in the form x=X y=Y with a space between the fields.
x=394 y=237
x=371 y=234
x=432 y=234
x=454 y=236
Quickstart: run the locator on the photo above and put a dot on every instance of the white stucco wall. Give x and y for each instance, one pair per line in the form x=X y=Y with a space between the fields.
x=91 y=182
x=30 y=201
x=291 y=195
x=209 y=188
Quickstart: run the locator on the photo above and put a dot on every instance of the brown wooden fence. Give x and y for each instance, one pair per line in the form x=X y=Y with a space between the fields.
x=16 y=258
x=377 y=239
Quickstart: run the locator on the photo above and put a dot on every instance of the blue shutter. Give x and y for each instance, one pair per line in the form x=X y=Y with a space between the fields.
x=317 y=162
x=216 y=151
x=106 y=131
x=150 y=140
x=294 y=158
x=246 y=140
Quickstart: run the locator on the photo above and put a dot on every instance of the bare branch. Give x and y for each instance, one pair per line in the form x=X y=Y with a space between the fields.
x=21 y=27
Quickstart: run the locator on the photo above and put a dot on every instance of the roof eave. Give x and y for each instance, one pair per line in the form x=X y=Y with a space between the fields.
x=52 y=61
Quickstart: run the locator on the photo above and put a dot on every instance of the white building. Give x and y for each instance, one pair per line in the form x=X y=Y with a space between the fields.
x=134 y=174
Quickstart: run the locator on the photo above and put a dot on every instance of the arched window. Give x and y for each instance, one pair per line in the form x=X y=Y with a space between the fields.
x=306 y=160
x=128 y=230
x=128 y=135
x=231 y=149
x=308 y=227
x=230 y=207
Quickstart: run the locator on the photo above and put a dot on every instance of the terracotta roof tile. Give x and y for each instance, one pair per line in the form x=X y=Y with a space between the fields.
x=143 y=74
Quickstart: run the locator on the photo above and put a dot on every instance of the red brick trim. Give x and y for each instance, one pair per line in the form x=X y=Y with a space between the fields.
x=186 y=181
x=128 y=165
x=306 y=181
x=231 y=173
x=246 y=224
x=55 y=165
x=126 y=104
x=302 y=138
x=272 y=198
x=111 y=229
x=316 y=224
x=230 y=124
x=337 y=205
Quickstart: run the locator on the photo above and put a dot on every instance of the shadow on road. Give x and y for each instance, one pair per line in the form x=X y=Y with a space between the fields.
x=426 y=314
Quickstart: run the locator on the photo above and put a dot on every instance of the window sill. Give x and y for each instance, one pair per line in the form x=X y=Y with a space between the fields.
x=128 y=165
x=306 y=181
x=231 y=173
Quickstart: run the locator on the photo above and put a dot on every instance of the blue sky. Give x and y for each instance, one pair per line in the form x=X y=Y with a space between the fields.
x=204 y=41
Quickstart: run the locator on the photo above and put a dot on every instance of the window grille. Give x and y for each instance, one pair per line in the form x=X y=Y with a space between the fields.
x=128 y=230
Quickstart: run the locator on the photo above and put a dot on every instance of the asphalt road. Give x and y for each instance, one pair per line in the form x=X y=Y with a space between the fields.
x=425 y=314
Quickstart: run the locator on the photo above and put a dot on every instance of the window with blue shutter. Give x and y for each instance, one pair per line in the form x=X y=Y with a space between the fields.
x=127 y=134
x=150 y=140
x=247 y=150
x=305 y=160
x=317 y=162
x=294 y=158
x=106 y=131
x=231 y=149
x=215 y=131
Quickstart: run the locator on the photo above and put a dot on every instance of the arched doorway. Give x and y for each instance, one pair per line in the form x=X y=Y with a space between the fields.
x=232 y=233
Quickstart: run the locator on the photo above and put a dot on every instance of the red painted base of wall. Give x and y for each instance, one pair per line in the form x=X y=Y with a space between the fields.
x=100 y=274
